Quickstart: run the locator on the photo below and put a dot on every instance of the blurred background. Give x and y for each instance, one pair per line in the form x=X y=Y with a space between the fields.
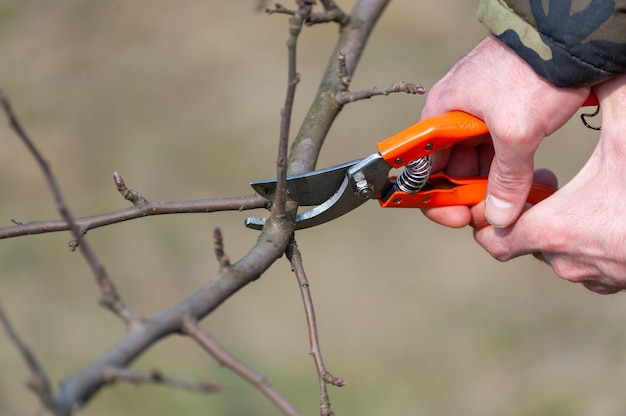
x=183 y=99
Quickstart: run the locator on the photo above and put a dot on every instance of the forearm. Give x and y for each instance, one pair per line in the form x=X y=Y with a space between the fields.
x=579 y=45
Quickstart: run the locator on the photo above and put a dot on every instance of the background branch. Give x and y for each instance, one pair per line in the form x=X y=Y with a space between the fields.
x=110 y=298
x=112 y=374
x=227 y=360
x=39 y=382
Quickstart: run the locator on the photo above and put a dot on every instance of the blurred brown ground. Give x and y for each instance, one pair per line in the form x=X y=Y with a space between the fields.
x=183 y=98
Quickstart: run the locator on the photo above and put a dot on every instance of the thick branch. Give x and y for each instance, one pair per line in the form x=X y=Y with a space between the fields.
x=308 y=142
x=77 y=389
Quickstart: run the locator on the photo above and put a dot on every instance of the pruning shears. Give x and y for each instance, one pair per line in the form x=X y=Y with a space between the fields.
x=337 y=190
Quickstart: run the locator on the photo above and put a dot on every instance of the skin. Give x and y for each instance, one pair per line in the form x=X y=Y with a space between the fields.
x=483 y=84
x=579 y=231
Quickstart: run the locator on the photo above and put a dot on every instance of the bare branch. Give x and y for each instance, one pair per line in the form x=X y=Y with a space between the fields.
x=151 y=208
x=110 y=298
x=112 y=374
x=295 y=27
x=227 y=360
x=280 y=9
x=306 y=146
x=271 y=245
x=324 y=376
x=345 y=97
x=39 y=382
x=332 y=13
x=218 y=247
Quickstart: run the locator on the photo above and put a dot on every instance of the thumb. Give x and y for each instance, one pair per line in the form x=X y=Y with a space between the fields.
x=510 y=179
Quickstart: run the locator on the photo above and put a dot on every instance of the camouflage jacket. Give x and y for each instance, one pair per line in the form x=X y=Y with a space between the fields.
x=569 y=42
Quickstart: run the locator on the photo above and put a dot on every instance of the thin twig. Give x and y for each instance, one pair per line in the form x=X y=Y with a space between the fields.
x=110 y=297
x=332 y=13
x=198 y=206
x=39 y=382
x=295 y=27
x=226 y=359
x=112 y=374
x=218 y=247
x=280 y=9
x=345 y=97
x=324 y=376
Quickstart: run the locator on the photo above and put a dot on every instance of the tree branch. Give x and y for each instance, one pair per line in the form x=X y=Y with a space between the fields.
x=306 y=146
x=227 y=360
x=273 y=241
x=110 y=298
x=324 y=377
x=39 y=382
x=295 y=27
x=218 y=247
x=112 y=374
x=344 y=95
x=148 y=209
x=80 y=387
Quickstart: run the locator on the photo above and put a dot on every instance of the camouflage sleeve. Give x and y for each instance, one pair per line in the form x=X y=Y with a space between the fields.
x=571 y=43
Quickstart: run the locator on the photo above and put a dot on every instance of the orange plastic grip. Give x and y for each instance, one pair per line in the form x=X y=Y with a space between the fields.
x=430 y=135
x=437 y=133
x=461 y=191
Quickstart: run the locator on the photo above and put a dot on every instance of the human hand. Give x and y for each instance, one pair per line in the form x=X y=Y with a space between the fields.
x=519 y=107
x=581 y=229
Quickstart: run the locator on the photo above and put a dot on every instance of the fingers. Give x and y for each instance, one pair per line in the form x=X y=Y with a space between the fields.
x=510 y=177
x=506 y=243
x=454 y=217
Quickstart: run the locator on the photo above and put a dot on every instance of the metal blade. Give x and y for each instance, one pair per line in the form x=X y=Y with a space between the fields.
x=373 y=169
x=310 y=188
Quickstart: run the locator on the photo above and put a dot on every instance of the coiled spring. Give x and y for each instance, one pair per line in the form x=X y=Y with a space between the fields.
x=415 y=175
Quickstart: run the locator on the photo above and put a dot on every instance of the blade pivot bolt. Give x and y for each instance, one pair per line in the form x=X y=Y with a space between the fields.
x=364 y=189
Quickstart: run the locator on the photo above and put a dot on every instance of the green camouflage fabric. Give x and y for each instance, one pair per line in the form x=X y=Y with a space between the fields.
x=572 y=43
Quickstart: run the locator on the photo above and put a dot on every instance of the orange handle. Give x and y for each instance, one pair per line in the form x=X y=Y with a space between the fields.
x=430 y=135
x=437 y=133
x=449 y=191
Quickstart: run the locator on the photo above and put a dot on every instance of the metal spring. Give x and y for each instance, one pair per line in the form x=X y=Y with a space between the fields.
x=415 y=175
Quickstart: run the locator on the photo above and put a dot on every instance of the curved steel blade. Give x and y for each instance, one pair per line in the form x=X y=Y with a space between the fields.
x=374 y=170
x=310 y=188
